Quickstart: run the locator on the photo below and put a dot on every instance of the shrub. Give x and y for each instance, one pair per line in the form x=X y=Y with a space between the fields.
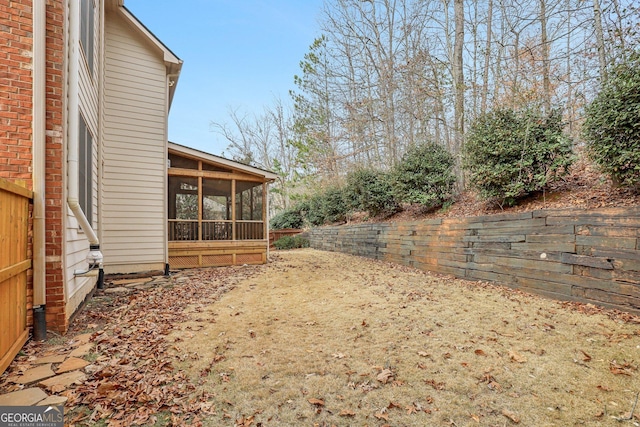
x=335 y=205
x=611 y=128
x=289 y=218
x=509 y=154
x=370 y=191
x=291 y=242
x=314 y=213
x=327 y=207
x=425 y=175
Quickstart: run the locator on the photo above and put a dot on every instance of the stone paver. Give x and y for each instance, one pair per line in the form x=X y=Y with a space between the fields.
x=63 y=381
x=120 y=282
x=82 y=338
x=71 y=364
x=26 y=397
x=53 y=401
x=56 y=358
x=144 y=286
x=34 y=374
x=135 y=284
x=118 y=290
x=83 y=350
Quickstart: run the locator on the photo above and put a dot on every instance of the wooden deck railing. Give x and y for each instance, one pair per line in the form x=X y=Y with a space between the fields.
x=189 y=230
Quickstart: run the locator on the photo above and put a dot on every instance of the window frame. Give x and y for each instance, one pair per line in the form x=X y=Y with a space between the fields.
x=87 y=31
x=85 y=169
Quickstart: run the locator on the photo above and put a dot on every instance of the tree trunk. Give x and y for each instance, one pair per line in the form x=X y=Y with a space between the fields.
x=487 y=54
x=546 y=83
x=602 y=57
x=459 y=85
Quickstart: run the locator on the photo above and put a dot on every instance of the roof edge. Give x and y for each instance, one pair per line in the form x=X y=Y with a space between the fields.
x=270 y=176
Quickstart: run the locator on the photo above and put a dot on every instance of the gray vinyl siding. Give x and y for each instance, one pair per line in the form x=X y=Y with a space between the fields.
x=133 y=190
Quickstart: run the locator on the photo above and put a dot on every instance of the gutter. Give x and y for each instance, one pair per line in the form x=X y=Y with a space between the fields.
x=39 y=169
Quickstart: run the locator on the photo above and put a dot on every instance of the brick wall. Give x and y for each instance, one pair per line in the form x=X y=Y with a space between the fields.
x=16 y=106
x=590 y=256
x=55 y=203
x=16 y=90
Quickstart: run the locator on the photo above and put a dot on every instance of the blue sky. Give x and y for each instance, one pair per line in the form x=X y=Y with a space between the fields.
x=237 y=53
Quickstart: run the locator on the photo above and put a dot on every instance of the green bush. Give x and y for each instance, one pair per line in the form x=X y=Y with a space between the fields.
x=425 y=175
x=370 y=191
x=335 y=206
x=612 y=125
x=327 y=207
x=289 y=218
x=314 y=213
x=291 y=242
x=509 y=153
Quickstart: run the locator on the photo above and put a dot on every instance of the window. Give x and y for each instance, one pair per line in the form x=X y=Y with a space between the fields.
x=87 y=28
x=85 y=175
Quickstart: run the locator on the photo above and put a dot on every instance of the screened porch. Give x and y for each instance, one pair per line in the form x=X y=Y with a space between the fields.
x=216 y=210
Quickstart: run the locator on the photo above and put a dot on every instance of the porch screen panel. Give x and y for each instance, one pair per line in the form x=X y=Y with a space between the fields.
x=183 y=208
x=249 y=201
x=216 y=210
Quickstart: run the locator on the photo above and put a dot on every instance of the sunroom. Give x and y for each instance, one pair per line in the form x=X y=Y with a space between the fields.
x=217 y=210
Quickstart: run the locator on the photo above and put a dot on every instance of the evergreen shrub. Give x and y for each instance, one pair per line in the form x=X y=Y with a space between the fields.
x=509 y=154
x=612 y=125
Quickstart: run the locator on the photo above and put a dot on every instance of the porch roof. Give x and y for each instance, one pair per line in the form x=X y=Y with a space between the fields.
x=212 y=158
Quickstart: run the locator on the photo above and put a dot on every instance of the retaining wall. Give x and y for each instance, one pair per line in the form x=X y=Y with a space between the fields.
x=590 y=256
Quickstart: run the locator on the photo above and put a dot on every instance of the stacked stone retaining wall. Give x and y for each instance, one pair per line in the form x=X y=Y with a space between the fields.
x=590 y=256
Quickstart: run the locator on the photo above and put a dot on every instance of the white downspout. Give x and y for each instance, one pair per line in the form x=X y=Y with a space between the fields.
x=72 y=133
x=39 y=164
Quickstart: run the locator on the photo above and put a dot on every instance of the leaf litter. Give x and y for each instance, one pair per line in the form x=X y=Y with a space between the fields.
x=286 y=344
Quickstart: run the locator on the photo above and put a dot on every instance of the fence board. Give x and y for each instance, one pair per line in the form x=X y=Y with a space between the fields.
x=14 y=264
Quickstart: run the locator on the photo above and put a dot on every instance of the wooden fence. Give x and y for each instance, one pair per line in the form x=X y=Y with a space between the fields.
x=14 y=264
x=588 y=256
x=278 y=234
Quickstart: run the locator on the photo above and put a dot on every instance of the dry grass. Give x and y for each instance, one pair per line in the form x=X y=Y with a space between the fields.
x=322 y=338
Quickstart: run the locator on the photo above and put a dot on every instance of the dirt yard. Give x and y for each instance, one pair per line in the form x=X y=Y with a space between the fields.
x=320 y=338
x=325 y=339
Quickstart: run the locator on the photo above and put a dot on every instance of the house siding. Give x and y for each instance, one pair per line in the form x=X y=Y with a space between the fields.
x=76 y=242
x=134 y=175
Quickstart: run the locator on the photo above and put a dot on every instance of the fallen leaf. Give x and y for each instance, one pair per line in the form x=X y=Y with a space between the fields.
x=480 y=352
x=347 y=413
x=381 y=416
x=392 y=405
x=475 y=418
x=511 y=415
x=423 y=354
x=586 y=358
x=436 y=385
x=317 y=402
x=105 y=388
x=338 y=355
x=621 y=369
x=385 y=376
x=516 y=357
